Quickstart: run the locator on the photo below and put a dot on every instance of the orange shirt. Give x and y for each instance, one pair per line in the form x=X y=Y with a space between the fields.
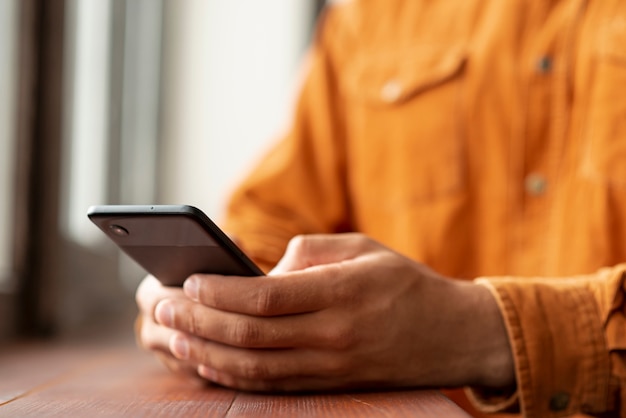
x=484 y=139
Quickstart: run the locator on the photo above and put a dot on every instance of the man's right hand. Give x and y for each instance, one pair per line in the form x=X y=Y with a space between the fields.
x=339 y=311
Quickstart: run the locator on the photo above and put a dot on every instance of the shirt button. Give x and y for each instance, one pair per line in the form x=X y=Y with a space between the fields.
x=544 y=64
x=391 y=91
x=535 y=184
x=559 y=401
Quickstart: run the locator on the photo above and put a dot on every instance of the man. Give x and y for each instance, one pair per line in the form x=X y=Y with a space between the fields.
x=481 y=138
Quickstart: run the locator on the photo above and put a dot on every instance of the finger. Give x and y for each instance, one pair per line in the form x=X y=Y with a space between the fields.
x=310 y=250
x=292 y=293
x=293 y=384
x=177 y=366
x=309 y=290
x=259 y=364
x=150 y=292
x=255 y=332
x=154 y=336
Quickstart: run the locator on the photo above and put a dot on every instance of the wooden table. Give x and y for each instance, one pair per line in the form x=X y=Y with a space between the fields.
x=74 y=380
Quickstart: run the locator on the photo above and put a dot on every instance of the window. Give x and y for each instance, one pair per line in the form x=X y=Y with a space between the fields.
x=129 y=102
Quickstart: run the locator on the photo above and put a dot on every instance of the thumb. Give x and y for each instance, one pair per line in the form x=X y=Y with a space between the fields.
x=305 y=251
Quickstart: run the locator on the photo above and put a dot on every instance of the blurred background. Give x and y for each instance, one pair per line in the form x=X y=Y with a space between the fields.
x=125 y=102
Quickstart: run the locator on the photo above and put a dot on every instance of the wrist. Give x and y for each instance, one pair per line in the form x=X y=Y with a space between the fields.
x=488 y=351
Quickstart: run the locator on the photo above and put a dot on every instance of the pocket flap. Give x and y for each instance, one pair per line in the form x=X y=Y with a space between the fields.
x=388 y=78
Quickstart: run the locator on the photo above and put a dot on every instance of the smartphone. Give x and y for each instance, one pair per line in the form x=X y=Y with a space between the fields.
x=172 y=242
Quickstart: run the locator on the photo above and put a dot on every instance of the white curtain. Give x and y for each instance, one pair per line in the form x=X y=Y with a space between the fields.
x=8 y=82
x=229 y=74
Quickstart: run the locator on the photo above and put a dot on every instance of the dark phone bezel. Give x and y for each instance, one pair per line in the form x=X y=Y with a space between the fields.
x=110 y=212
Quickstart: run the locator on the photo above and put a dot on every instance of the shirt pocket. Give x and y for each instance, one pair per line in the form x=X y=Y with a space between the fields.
x=403 y=125
x=605 y=132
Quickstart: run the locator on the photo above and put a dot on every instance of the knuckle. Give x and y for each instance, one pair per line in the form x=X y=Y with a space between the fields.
x=244 y=333
x=341 y=338
x=267 y=300
x=194 y=323
x=298 y=244
x=347 y=288
x=252 y=368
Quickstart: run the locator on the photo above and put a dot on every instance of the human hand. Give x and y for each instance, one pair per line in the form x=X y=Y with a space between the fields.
x=339 y=311
x=153 y=336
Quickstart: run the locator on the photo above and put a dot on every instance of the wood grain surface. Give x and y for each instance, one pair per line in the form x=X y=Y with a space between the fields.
x=91 y=381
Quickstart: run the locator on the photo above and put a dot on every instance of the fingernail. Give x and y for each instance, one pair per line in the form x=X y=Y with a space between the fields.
x=191 y=288
x=179 y=347
x=164 y=313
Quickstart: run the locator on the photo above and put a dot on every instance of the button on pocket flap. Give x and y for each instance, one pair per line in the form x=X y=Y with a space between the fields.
x=388 y=78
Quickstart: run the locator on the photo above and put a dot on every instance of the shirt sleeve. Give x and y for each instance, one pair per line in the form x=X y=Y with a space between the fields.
x=568 y=338
x=299 y=186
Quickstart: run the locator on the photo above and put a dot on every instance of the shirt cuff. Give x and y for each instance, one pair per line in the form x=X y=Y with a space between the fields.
x=556 y=334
